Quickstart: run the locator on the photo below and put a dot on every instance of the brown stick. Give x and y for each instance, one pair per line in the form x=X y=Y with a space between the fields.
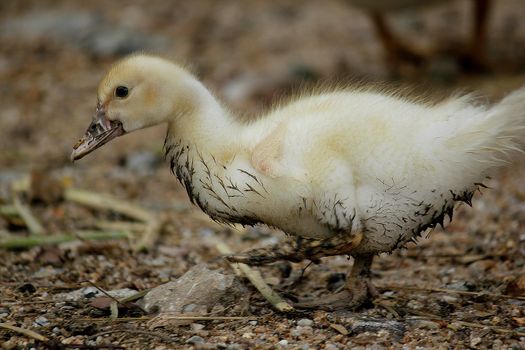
x=27 y=332
x=452 y=291
x=104 y=202
x=12 y=242
x=33 y=225
x=179 y=318
x=256 y=279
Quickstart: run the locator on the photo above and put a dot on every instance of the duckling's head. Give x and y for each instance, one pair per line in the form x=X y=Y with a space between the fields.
x=137 y=92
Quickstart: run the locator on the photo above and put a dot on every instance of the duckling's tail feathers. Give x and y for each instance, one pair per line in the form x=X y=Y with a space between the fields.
x=492 y=138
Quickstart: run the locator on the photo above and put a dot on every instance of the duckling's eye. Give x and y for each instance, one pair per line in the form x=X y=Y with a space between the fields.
x=121 y=91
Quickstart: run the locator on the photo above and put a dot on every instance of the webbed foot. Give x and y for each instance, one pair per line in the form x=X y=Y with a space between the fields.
x=299 y=250
x=358 y=290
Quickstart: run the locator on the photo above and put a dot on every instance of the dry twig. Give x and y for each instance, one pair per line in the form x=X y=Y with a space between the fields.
x=153 y=223
x=9 y=210
x=115 y=302
x=118 y=225
x=104 y=202
x=452 y=324
x=256 y=279
x=27 y=332
x=12 y=242
x=179 y=318
x=149 y=236
x=452 y=291
x=32 y=223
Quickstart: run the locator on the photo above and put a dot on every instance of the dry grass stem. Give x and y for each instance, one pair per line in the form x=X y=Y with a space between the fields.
x=12 y=242
x=33 y=225
x=27 y=332
x=256 y=279
x=452 y=291
x=105 y=202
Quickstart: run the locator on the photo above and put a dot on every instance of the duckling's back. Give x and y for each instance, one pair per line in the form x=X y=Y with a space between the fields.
x=409 y=162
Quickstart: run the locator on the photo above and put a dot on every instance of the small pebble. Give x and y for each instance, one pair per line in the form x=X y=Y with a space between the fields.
x=495 y=320
x=90 y=292
x=195 y=340
x=474 y=342
x=99 y=339
x=302 y=330
x=41 y=321
x=283 y=342
x=296 y=333
x=459 y=285
x=414 y=304
x=195 y=327
x=233 y=346
x=305 y=322
x=425 y=324
x=449 y=299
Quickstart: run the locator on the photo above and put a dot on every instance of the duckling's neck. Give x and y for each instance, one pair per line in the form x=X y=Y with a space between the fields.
x=201 y=145
x=202 y=120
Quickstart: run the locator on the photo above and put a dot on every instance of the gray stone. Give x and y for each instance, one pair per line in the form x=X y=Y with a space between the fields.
x=423 y=324
x=197 y=291
x=195 y=327
x=283 y=342
x=357 y=324
x=459 y=285
x=305 y=322
x=41 y=321
x=195 y=340
x=92 y=292
x=449 y=299
x=475 y=341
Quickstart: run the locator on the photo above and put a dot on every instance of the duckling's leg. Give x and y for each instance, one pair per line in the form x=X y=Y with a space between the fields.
x=357 y=291
x=299 y=250
x=358 y=288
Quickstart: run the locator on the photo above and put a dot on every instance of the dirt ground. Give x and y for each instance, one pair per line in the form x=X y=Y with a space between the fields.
x=462 y=287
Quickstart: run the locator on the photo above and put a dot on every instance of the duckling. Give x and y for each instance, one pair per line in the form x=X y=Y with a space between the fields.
x=352 y=171
x=472 y=59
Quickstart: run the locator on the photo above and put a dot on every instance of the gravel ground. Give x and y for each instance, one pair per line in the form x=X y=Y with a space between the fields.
x=443 y=293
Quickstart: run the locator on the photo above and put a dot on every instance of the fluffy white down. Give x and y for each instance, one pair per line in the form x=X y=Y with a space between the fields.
x=337 y=162
x=359 y=161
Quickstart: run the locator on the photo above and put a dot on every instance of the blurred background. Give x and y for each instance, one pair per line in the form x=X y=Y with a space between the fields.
x=53 y=53
x=252 y=52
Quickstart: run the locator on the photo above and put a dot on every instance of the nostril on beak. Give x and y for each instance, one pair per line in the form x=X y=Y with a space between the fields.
x=95 y=128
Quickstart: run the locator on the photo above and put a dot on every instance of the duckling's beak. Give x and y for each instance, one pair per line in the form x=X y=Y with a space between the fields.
x=100 y=131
